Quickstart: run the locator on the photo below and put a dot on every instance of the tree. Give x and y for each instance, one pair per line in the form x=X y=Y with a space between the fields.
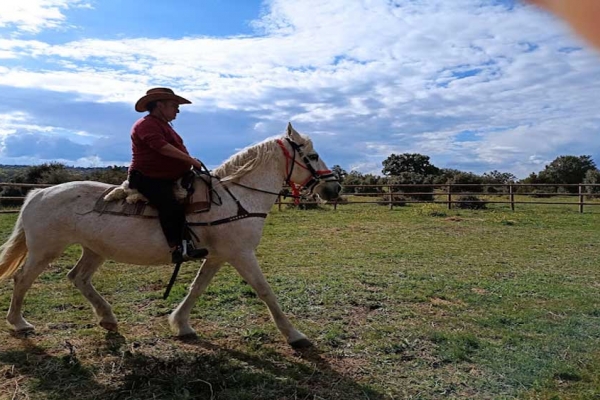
x=394 y=165
x=48 y=173
x=339 y=172
x=356 y=178
x=498 y=177
x=466 y=178
x=45 y=173
x=446 y=175
x=567 y=170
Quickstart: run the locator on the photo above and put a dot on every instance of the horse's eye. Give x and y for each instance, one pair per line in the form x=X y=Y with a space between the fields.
x=313 y=157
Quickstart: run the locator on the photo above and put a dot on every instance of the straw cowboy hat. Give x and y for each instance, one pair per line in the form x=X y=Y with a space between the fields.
x=158 y=94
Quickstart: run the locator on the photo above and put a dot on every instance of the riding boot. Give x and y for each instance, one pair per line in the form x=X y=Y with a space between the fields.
x=187 y=252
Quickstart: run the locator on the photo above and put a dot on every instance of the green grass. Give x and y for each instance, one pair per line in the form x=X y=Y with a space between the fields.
x=418 y=302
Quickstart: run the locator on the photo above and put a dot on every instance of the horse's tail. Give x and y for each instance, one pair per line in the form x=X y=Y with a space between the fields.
x=14 y=251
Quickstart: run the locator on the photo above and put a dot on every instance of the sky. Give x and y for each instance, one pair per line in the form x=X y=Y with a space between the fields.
x=476 y=85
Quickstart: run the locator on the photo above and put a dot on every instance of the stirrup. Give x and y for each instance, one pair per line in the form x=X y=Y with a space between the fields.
x=187 y=252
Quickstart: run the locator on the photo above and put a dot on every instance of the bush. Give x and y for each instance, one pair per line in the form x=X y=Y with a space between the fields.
x=543 y=192
x=397 y=200
x=114 y=175
x=51 y=173
x=466 y=178
x=592 y=177
x=471 y=203
x=8 y=191
x=56 y=176
x=411 y=178
x=356 y=178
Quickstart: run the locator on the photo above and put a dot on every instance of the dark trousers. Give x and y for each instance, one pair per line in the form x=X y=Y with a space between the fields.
x=159 y=193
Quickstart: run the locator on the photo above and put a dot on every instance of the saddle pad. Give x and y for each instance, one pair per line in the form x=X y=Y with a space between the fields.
x=145 y=210
x=121 y=207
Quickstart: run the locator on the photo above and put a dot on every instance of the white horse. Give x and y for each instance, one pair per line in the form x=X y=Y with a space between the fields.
x=53 y=218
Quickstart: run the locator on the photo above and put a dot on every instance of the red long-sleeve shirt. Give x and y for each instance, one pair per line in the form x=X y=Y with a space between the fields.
x=148 y=135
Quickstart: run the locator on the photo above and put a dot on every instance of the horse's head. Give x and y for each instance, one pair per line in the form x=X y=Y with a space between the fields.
x=312 y=174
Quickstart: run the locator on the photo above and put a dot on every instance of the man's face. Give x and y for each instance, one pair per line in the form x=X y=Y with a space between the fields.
x=169 y=109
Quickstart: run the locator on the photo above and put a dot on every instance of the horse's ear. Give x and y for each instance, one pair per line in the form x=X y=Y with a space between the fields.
x=291 y=132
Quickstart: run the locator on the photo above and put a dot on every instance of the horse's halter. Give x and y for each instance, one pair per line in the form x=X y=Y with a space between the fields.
x=317 y=176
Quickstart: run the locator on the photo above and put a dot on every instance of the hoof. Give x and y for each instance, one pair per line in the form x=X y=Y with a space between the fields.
x=301 y=344
x=188 y=337
x=23 y=327
x=109 y=326
x=24 y=331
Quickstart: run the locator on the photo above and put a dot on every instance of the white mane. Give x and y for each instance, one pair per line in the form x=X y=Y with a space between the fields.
x=251 y=158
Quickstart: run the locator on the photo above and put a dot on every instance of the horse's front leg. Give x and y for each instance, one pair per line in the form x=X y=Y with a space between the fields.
x=180 y=317
x=247 y=266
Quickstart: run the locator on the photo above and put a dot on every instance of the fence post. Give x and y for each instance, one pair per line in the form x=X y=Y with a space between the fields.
x=449 y=186
x=391 y=197
x=580 y=198
x=279 y=202
x=512 y=197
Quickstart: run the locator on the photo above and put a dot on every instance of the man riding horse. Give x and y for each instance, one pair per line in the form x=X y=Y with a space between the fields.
x=159 y=159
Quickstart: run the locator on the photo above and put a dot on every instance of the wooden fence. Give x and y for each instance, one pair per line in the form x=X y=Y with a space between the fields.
x=449 y=194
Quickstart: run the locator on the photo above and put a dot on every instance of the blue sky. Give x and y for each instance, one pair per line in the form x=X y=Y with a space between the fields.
x=477 y=85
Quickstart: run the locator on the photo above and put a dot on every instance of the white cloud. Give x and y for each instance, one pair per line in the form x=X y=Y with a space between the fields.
x=12 y=125
x=32 y=16
x=388 y=76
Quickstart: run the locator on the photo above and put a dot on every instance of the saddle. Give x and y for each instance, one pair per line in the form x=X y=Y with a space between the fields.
x=125 y=201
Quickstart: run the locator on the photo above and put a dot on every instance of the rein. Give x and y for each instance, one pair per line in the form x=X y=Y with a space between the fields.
x=265 y=191
x=310 y=183
x=242 y=213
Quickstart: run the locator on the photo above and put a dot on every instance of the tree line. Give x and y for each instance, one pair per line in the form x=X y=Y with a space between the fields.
x=398 y=169
x=407 y=169
x=53 y=173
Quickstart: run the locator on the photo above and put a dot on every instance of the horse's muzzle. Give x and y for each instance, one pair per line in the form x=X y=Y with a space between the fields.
x=328 y=190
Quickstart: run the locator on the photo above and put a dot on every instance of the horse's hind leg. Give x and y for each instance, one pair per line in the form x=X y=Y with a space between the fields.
x=180 y=318
x=81 y=276
x=34 y=265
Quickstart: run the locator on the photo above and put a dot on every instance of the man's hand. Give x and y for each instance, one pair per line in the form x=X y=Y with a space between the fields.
x=197 y=164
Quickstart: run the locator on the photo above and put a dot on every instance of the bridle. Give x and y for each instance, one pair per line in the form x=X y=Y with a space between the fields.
x=316 y=175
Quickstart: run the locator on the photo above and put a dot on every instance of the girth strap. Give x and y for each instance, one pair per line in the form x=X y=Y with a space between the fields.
x=229 y=219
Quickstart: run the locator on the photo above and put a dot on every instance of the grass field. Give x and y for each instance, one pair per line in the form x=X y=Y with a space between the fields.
x=414 y=303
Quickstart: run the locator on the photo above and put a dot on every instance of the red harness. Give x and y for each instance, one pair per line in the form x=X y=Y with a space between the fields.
x=315 y=174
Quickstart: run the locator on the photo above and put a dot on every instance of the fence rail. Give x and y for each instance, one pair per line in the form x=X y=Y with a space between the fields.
x=446 y=193
x=450 y=193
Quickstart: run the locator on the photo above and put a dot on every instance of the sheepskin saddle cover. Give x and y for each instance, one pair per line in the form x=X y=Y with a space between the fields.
x=123 y=200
